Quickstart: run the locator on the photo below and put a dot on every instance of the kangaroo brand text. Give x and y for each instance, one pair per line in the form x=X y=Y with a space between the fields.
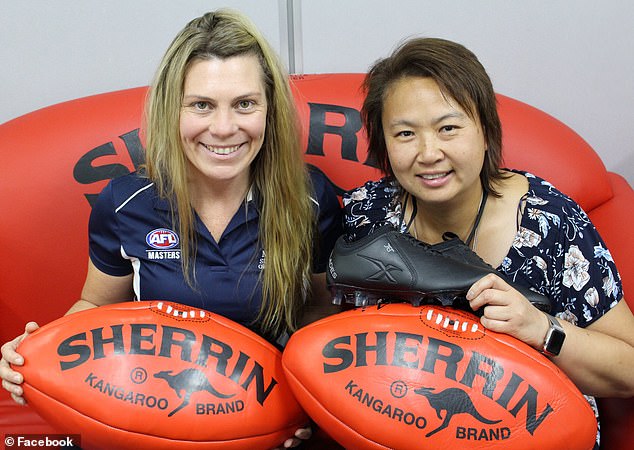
x=120 y=393
x=384 y=408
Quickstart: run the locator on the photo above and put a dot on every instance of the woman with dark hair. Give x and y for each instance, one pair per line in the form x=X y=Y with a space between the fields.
x=432 y=123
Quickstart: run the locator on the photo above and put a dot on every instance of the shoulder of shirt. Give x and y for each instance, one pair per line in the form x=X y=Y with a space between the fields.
x=320 y=185
x=317 y=177
x=382 y=184
x=127 y=188
x=545 y=191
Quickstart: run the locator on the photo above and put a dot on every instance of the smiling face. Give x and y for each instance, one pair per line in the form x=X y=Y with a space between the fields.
x=223 y=118
x=435 y=149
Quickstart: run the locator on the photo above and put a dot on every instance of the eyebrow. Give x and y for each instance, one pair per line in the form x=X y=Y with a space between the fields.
x=239 y=97
x=409 y=123
x=451 y=115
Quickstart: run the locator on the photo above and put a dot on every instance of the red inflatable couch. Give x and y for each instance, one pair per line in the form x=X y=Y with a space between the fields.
x=57 y=159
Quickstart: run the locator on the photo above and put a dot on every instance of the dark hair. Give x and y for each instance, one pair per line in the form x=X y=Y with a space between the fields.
x=459 y=75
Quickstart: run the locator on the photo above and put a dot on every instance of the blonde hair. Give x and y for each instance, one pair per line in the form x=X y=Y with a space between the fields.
x=278 y=172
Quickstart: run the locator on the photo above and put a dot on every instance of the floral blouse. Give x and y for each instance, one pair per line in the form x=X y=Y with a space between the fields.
x=557 y=251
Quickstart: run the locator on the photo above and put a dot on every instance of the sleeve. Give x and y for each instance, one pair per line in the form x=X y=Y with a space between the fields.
x=104 y=243
x=369 y=207
x=584 y=273
x=329 y=222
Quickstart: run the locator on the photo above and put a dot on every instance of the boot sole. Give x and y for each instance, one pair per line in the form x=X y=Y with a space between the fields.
x=359 y=296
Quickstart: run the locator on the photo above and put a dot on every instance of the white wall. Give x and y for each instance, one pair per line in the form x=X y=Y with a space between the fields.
x=571 y=58
x=51 y=51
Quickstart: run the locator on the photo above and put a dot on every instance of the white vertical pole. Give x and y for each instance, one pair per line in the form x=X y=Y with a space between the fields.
x=291 y=35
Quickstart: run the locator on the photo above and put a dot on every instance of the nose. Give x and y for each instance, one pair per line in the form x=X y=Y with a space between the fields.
x=429 y=149
x=222 y=123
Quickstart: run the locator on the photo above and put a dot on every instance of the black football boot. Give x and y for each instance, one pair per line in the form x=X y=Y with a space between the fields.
x=391 y=266
x=453 y=247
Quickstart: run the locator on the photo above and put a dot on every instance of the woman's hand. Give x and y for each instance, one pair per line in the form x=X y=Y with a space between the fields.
x=302 y=434
x=507 y=311
x=11 y=379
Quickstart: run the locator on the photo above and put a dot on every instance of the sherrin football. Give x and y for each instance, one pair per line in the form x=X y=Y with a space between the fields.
x=158 y=375
x=404 y=377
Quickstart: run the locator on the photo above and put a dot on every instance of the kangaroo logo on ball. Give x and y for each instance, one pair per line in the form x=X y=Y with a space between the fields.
x=190 y=381
x=453 y=401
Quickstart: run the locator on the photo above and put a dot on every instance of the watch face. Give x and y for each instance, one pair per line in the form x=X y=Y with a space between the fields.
x=556 y=341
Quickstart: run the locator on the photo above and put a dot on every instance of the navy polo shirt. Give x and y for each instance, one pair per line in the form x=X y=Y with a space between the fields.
x=130 y=231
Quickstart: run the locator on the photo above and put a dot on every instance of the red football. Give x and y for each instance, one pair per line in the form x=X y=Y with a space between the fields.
x=159 y=375
x=405 y=377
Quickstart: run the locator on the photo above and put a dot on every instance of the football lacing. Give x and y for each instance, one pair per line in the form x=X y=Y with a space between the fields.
x=169 y=309
x=446 y=322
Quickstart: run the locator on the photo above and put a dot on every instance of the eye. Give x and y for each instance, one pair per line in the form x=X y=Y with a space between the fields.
x=405 y=133
x=449 y=130
x=200 y=105
x=245 y=104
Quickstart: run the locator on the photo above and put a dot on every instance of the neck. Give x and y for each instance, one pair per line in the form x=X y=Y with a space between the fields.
x=433 y=220
x=205 y=192
x=215 y=204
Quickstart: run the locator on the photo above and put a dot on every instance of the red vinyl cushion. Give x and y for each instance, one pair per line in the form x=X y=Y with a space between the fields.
x=55 y=158
x=537 y=142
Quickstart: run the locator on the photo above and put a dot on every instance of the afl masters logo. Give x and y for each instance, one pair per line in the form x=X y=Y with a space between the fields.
x=162 y=239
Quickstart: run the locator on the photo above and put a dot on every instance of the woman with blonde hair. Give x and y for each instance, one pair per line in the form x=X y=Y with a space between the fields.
x=224 y=215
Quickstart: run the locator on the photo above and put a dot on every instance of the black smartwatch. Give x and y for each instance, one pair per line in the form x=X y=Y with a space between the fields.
x=554 y=337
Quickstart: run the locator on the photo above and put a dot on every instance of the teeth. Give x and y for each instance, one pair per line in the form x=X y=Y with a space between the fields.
x=433 y=176
x=221 y=150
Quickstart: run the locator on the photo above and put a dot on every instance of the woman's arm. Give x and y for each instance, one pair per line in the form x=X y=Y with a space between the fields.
x=102 y=289
x=599 y=359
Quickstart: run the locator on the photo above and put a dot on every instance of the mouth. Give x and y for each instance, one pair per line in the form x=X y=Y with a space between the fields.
x=222 y=149
x=434 y=176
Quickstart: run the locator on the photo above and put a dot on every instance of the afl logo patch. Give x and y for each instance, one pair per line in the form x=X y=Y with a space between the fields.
x=162 y=239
